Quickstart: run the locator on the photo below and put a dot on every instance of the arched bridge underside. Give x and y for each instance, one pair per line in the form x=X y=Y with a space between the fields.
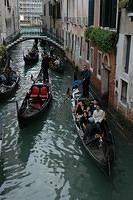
x=23 y=38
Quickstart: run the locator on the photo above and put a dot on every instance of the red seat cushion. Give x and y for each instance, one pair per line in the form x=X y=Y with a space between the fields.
x=34 y=91
x=44 y=92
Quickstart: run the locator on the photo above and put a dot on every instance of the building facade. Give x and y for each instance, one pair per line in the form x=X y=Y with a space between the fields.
x=124 y=70
x=9 y=19
x=102 y=61
x=52 y=18
x=111 y=68
x=30 y=12
x=75 y=20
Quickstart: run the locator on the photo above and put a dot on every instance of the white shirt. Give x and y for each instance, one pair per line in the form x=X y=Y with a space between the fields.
x=57 y=62
x=98 y=115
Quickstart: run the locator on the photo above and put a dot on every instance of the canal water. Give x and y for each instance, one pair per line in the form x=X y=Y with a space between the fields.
x=46 y=160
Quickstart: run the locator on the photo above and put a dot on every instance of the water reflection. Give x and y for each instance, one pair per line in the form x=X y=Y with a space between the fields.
x=2 y=173
x=46 y=160
x=27 y=137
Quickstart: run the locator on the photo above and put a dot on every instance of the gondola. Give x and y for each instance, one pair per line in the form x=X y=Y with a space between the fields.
x=1 y=134
x=57 y=68
x=9 y=86
x=30 y=59
x=35 y=102
x=100 y=148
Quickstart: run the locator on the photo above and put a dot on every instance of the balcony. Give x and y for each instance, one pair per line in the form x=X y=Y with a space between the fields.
x=66 y=19
x=81 y=21
x=85 y=21
x=73 y=20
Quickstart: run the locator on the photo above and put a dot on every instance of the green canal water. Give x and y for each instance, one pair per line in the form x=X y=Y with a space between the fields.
x=46 y=160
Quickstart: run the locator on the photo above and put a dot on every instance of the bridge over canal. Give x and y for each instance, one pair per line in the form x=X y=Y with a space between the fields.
x=27 y=33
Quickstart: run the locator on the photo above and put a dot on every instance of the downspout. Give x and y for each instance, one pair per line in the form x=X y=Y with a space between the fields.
x=67 y=15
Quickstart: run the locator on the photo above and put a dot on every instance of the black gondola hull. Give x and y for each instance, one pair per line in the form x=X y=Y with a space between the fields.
x=8 y=91
x=30 y=61
x=59 y=69
x=27 y=120
x=105 y=165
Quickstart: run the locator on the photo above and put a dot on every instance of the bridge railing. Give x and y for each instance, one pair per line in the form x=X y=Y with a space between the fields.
x=42 y=32
x=53 y=36
x=12 y=37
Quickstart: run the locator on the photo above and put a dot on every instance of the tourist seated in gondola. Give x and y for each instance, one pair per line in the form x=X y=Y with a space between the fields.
x=99 y=116
x=93 y=105
x=89 y=131
x=84 y=120
x=89 y=112
x=57 y=62
x=79 y=110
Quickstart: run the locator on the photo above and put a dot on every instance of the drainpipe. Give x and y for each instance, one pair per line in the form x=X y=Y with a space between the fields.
x=67 y=15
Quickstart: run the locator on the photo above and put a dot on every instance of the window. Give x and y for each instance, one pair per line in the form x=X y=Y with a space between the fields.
x=124 y=91
x=66 y=38
x=91 y=13
x=108 y=10
x=99 y=63
x=69 y=40
x=91 y=57
x=72 y=41
x=44 y=10
x=58 y=11
x=75 y=41
x=127 y=53
x=88 y=50
x=50 y=9
x=81 y=40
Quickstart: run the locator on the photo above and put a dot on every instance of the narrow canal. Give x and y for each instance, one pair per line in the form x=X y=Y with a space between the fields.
x=46 y=160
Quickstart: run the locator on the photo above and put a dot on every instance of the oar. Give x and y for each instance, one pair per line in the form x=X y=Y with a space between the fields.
x=32 y=78
x=17 y=106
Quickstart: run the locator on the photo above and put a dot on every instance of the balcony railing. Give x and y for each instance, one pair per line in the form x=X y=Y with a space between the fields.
x=82 y=21
x=73 y=20
x=85 y=21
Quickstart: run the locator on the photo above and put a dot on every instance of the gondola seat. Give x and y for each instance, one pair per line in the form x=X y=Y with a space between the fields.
x=34 y=92
x=43 y=92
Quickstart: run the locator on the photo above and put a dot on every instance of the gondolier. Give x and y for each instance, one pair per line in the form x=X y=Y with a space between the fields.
x=45 y=67
x=85 y=75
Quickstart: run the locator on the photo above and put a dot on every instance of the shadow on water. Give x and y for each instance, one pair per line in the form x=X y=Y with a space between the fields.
x=2 y=173
x=28 y=134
